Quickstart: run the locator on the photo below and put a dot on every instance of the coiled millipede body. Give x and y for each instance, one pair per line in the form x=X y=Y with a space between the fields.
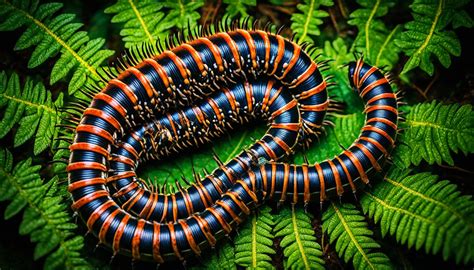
x=186 y=96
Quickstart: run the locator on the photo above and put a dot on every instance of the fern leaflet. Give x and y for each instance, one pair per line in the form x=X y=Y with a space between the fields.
x=238 y=7
x=45 y=217
x=424 y=212
x=254 y=244
x=346 y=226
x=299 y=243
x=51 y=35
x=432 y=130
x=306 y=24
x=32 y=108
x=427 y=34
x=222 y=258
x=374 y=37
x=143 y=21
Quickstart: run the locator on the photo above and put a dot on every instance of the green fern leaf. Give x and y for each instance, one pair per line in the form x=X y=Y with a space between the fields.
x=31 y=108
x=238 y=7
x=254 y=244
x=221 y=258
x=45 y=218
x=374 y=37
x=51 y=35
x=183 y=13
x=421 y=211
x=346 y=226
x=306 y=24
x=142 y=21
x=432 y=131
x=427 y=34
x=299 y=242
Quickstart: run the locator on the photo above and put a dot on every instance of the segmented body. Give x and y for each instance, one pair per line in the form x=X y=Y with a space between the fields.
x=288 y=88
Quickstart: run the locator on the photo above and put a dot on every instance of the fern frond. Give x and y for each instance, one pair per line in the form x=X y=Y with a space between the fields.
x=421 y=211
x=142 y=21
x=428 y=33
x=306 y=23
x=238 y=7
x=374 y=38
x=346 y=226
x=183 y=13
x=299 y=242
x=254 y=244
x=31 y=108
x=51 y=35
x=45 y=217
x=432 y=131
x=221 y=258
x=346 y=129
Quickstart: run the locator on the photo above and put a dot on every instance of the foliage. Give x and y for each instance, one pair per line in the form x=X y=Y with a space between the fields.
x=428 y=33
x=253 y=245
x=50 y=34
x=31 y=108
x=374 y=36
x=299 y=243
x=238 y=7
x=45 y=217
x=432 y=131
x=305 y=23
x=421 y=211
x=346 y=226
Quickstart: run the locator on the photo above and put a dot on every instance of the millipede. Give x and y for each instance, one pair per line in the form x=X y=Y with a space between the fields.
x=192 y=91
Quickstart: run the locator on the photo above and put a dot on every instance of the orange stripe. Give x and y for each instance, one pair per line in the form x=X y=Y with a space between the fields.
x=88 y=198
x=285 y=108
x=86 y=165
x=250 y=43
x=371 y=157
x=379 y=131
x=189 y=236
x=376 y=143
x=125 y=89
x=346 y=171
x=305 y=75
x=136 y=239
x=103 y=115
x=106 y=225
x=96 y=131
x=85 y=182
x=225 y=226
x=214 y=50
x=372 y=85
x=120 y=176
x=366 y=75
x=307 y=193
x=337 y=178
x=205 y=229
x=233 y=48
x=382 y=96
x=179 y=64
x=382 y=120
x=295 y=186
x=98 y=212
x=266 y=41
x=286 y=173
x=160 y=70
x=112 y=102
x=89 y=147
x=280 y=53
x=119 y=232
x=294 y=59
x=194 y=54
x=143 y=80
x=322 y=184
x=174 y=245
x=156 y=243
x=313 y=91
x=371 y=108
x=356 y=162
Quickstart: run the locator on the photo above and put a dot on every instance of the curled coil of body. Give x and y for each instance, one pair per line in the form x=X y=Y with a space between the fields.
x=191 y=93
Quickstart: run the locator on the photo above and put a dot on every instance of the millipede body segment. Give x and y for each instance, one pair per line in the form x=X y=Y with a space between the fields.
x=192 y=93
